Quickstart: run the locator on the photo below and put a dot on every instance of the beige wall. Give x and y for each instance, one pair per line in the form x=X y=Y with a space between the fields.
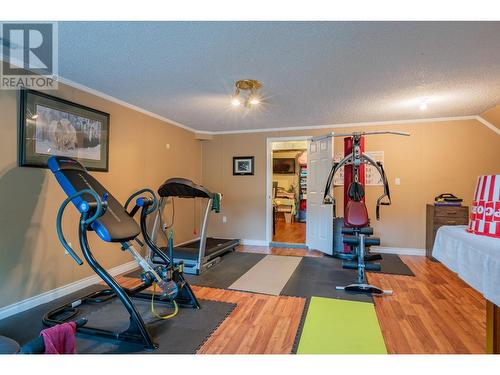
x=31 y=259
x=492 y=115
x=438 y=157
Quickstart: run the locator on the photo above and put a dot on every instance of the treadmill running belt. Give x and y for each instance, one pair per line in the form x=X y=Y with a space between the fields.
x=213 y=245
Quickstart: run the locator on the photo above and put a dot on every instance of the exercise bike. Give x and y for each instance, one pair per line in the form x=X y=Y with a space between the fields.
x=102 y=213
x=355 y=231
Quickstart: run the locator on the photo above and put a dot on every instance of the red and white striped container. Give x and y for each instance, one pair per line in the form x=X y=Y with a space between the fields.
x=485 y=212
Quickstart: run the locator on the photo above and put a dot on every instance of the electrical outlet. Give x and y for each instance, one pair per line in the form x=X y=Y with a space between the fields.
x=397 y=181
x=224 y=219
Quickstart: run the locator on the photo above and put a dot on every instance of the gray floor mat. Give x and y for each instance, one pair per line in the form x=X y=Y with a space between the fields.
x=319 y=277
x=230 y=269
x=393 y=265
x=183 y=334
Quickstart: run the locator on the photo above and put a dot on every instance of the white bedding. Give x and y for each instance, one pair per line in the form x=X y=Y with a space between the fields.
x=476 y=259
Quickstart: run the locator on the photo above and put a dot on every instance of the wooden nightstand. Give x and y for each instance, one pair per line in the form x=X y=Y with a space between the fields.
x=438 y=216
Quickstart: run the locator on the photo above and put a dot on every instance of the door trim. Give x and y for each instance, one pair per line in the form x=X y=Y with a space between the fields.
x=269 y=180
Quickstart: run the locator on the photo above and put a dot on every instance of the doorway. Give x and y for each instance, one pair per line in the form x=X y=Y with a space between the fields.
x=287 y=191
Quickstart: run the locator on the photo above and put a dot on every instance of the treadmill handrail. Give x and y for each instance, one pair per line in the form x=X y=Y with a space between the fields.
x=203 y=234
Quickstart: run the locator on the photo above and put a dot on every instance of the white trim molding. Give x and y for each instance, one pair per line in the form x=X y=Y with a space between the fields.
x=62 y=291
x=398 y=250
x=374 y=249
x=123 y=103
x=348 y=125
x=488 y=124
x=249 y=242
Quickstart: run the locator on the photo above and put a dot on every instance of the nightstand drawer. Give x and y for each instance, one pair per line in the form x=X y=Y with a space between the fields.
x=442 y=220
x=451 y=212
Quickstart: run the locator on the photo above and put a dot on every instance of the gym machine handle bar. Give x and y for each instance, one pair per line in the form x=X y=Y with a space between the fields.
x=99 y=206
x=139 y=202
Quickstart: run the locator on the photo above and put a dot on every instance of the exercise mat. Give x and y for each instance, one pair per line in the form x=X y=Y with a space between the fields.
x=269 y=276
x=319 y=277
x=183 y=334
x=334 y=326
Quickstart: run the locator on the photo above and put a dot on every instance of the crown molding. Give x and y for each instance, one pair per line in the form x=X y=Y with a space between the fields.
x=350 y=125
x=123 y=103
x=488 y=124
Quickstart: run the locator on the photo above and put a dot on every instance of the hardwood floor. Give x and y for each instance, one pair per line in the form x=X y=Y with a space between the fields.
x=433 y=312
x=260 y=324
x=293 y=232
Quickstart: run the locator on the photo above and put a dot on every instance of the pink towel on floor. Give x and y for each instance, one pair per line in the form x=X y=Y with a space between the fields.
x=60 y=339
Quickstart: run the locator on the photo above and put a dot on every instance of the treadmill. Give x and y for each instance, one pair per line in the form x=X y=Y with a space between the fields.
x=200 y=254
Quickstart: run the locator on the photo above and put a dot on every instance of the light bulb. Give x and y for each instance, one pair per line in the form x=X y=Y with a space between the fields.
x=423 y=106
x=235 y=102
x=254 y=100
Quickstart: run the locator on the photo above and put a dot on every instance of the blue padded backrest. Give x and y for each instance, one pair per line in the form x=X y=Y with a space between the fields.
x=115 y=225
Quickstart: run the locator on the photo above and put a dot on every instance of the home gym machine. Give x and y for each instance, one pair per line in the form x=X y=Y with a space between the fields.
x=102 y=213
x=203 y=253
x=352 y=233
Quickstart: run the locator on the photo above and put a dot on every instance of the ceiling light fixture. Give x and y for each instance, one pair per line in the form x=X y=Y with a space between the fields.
x=246 y=88
x=254 y=100
x=423 y=105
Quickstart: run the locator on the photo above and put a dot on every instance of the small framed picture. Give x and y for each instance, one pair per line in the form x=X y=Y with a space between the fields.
x=52 y=126
x=243 y=166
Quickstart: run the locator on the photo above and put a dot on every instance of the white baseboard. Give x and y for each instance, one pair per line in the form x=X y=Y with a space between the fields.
x=62 y=291
x=398 y=250
x=254 y=242
x=375 y=249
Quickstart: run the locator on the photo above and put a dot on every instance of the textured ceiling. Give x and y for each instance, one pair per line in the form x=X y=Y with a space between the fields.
x=314 y=73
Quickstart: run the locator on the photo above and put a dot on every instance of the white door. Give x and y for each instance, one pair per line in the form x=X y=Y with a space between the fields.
x=319 y=232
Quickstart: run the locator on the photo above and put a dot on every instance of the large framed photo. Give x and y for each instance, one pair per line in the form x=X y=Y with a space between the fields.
x=52 y=126
x=243 y=166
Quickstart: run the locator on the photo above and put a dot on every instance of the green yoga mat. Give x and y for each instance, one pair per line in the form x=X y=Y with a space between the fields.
x=334 y=326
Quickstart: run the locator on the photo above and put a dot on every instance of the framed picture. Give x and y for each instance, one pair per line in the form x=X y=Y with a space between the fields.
x=52 y=126
x=243 y=166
